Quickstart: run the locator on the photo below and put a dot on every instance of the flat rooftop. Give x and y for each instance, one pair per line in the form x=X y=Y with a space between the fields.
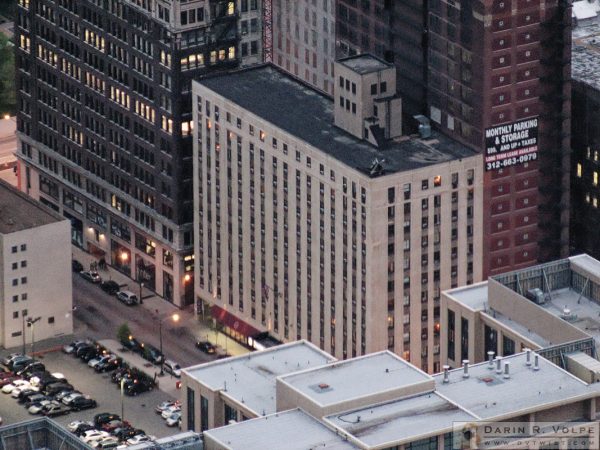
x=401 y=420
x=292 y=430
x=474 y=296
x=355 y=378
x=19 y=212
x=274 y=96
x=487 y=395
x=251 y=378
x=585 y=54
x=364 y=63
x=519 y=328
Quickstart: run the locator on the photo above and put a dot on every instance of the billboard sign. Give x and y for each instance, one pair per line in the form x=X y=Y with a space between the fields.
x=511 y=144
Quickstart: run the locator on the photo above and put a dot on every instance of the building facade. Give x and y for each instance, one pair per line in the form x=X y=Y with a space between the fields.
x=479 y=69
x=35 y=271
x=104 y=122
x=304 y=40
x=305 y=230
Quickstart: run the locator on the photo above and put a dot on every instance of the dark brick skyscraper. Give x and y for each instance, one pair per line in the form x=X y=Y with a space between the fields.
x=499 y=69
x=105 y=126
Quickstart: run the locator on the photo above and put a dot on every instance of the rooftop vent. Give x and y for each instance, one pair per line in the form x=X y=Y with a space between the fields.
x=528 y=356
x=507 y=370
x=424 y=126
x=568 y=315
x=465 y=368
x=376 y=167
x=446 y=378
x=536 y=362
x=323 y=385
x=498 y=365
x=490 y=360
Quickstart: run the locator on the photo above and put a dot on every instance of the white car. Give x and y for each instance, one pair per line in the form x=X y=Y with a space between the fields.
x=170 y=410
x=37 y=408
x=7 y=389
x=94 y=435
x=140 y=438
x=73 y=425
x=110 y=441
x=17 y=390
x=173 y=419
x=94 y=362
x=68 y=399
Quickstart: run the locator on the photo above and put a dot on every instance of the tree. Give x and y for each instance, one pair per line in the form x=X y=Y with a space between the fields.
x=7 y=77
x=123 y=332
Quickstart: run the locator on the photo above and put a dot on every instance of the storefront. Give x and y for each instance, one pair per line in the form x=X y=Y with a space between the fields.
x=233 y=327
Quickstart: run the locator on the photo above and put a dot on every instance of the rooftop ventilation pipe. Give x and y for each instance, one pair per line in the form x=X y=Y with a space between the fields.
x=528 y=355
x=490 y=360
x=498 y=365
x=536 y=362
x=506 y=370
x=465 y=368
x=446 y=378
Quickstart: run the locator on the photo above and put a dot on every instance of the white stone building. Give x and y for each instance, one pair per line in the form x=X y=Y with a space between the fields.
x=35 y=270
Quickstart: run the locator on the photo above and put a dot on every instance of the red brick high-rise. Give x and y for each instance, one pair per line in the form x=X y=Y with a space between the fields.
x=499 y=68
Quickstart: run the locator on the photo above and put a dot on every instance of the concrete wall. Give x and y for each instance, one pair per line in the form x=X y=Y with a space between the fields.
x=514 y=306
x=45 y=281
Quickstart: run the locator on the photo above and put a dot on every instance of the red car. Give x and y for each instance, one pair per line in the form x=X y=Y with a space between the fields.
x=4 y=375
x=9 y=380
x=114 y=424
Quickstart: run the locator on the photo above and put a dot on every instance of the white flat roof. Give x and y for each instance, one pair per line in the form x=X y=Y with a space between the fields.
x=585 y=313
x=474 y=296
x=250 y=378
x=401 y=420
x=355 y=378
x=289 y=430
x=488 y=395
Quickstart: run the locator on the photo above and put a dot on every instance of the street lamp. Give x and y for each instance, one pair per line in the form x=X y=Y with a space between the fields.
x=123 y=397
x=30 y=322
x=175 y=318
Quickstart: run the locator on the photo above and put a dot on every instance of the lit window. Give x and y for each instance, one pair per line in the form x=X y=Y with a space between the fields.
x=579 y=170
x=595 y=178
x=437 y=180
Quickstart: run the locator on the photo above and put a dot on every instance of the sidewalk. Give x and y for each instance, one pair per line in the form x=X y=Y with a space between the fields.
x=201 y=330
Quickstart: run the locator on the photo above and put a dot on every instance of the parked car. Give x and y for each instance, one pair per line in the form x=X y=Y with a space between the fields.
x=73 y=346
x=37 y=397
x=6 y=374
x=79 y=403
x=73 y=426
x=106 y=443
x=29 y=369
x=173 y=419
x=172 y=367
x=38 y=407
x=54 y=388
x=7 y=381
x=167 y=412
x=62 y=394
x=102 y=418
x=140 y=438
x=132 y=344
x=20 y=362
x=26 y=393
x=8 y=388
x=152 y=354
x=53 y=410
x=9 y=358
x=76 y=266
x=110 y=287
x=69 y=398
x=164 y=405
x=128 y=433
x=91 y=276
x=93 y=435
x=114 y=362
x=89 y=354
x=206 y=347
x=82 y=428
x=138 y=386
x=127 y=297
x=83 y=348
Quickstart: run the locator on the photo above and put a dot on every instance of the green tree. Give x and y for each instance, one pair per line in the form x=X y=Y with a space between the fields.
x=123 y=332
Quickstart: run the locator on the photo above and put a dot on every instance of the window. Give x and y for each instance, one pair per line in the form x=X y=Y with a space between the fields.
x=51 y=320
x=579 y=170
x=424 y=185
x=230 y=414
x=191 y=415
x=373 y=89
x=23 y=263
x=23 y=280
x=14 y=249
x=203 y=413
x=437 y=180
x=508 y=346
x=383 y=87
x=15 y=314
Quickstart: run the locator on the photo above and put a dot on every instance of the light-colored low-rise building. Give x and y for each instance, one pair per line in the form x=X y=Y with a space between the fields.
x=553 y=308
x=321 y=221
x=380 y=401
x=35 y=270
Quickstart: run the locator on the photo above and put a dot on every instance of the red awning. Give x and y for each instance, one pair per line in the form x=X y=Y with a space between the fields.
x=229 y=320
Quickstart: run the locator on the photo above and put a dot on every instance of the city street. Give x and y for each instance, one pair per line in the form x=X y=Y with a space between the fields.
x=99 y=315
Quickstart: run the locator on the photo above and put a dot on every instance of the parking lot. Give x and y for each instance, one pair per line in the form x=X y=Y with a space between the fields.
x=138 y=410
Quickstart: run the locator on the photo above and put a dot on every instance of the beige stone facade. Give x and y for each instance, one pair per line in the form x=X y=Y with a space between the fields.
x=35 y=271
x=305 y=245
x=304 y=40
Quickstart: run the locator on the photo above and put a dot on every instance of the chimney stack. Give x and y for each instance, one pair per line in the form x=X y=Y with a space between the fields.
x=490 y=360
x=528 y=354
x=446 y=378
x=507 y=370
x=465 y=368
x=498 y=365
x=536 y=362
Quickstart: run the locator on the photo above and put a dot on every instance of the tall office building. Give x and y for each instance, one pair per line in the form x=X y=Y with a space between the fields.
x=320 y=219
x=496 y=78
x=104 y=121
x=304 y=40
